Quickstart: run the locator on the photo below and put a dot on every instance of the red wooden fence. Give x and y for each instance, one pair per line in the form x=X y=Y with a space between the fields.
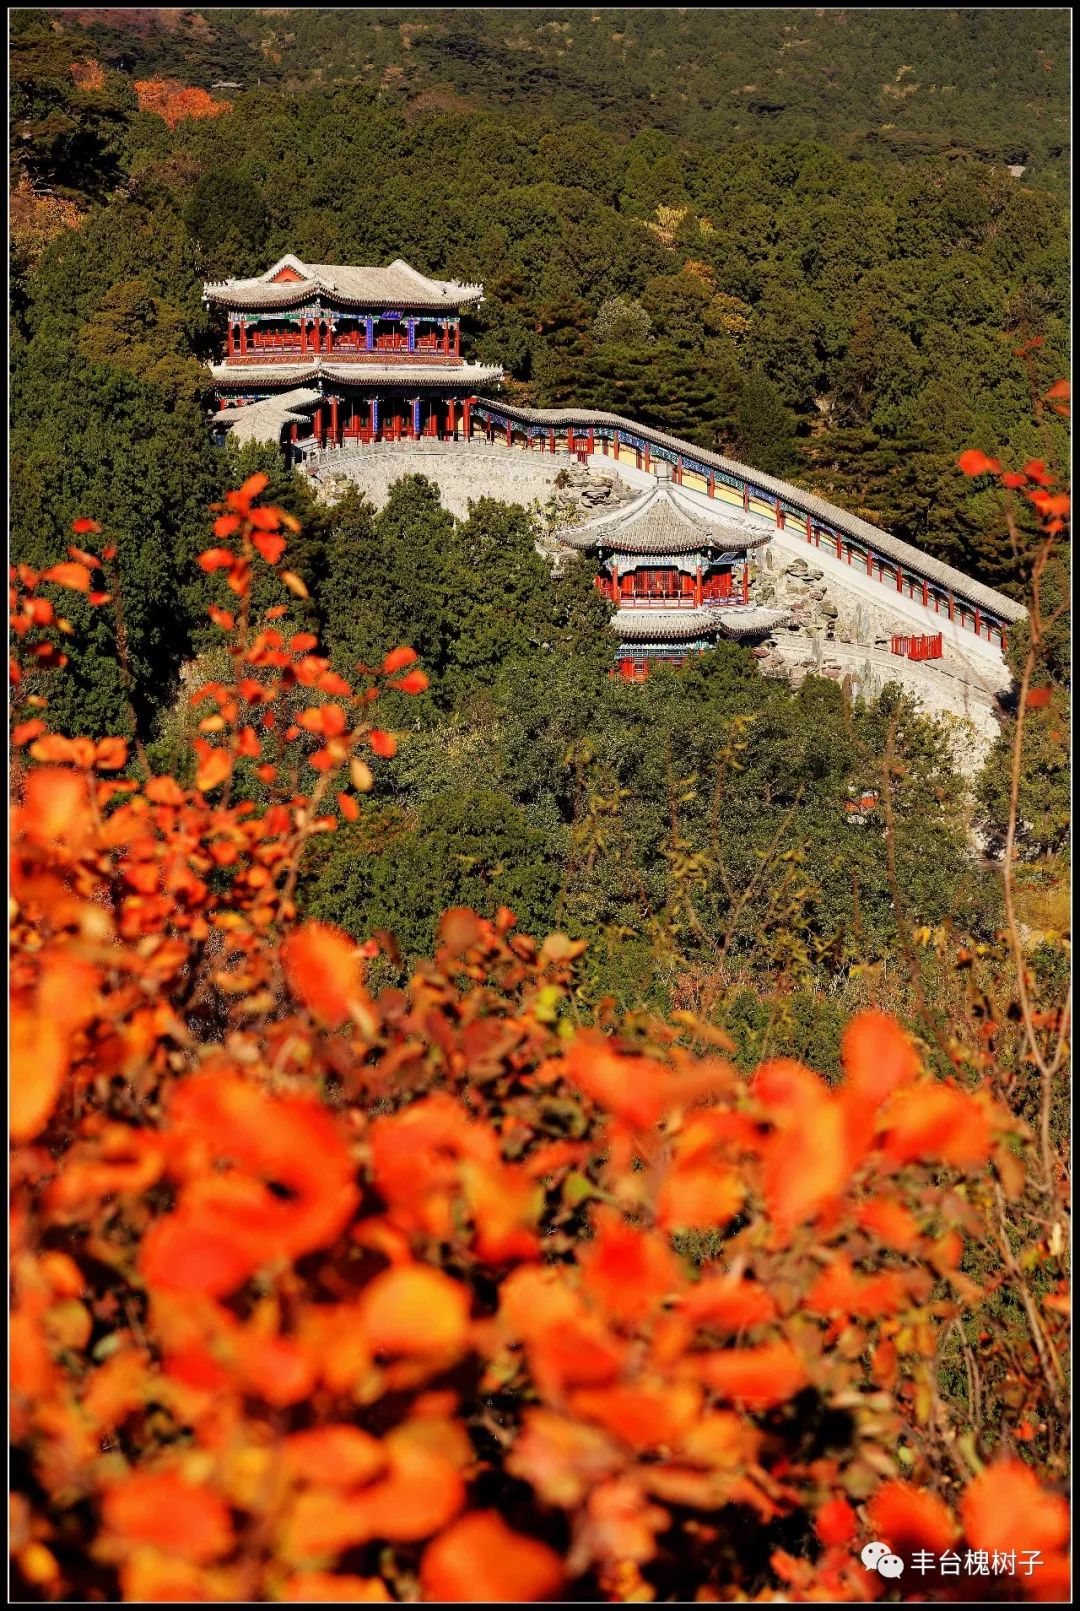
x=921 y=648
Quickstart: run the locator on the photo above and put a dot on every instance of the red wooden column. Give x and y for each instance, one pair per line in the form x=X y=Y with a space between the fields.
x=243 y=337
x=509 y=434
x=710 y=484
x=648 y=457
x=315 y=336
x=746 y=502
x=698 y=591
x=615 y=443
x=899 y=577
x=466 y=417
x=869 y=563
x=446 y=336
x=551 y=440
x=230 y=351
x=457 y=339
x=317 y=422
x=294 y=431
x=978 y=622
x=926 y=595
x=329 y=336
x=809 y=522
x=303 y=334
x=333 y=420
x=451 y=416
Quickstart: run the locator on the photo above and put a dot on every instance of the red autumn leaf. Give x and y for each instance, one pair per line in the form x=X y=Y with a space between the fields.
x=935 y=1122
x=975 y=463
x=398 y=659
x=757 y=1378
x=23 y=732
x=1038 y=698
x=479 y=1559
x=222 y=618
x=349 y=808
x=215 y=559
x=83 y=525
x=415 y=683
x=415 y=1311
x=384 y=744
x=270 y=546
x=111 y=754
x=908 y=1518
x=1007 y=1508
x=1060 y=390
x=89 y=560
x=38 y=1056
x=323 y=970
x=836 y=1523
x=163 y=1511
x=69 y=574
x=214 y=767
x=332 y=1588
x=333 y=1454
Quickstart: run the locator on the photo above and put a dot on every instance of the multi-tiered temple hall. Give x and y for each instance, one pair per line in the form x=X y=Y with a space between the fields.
x=678 y=574
x=345 y=354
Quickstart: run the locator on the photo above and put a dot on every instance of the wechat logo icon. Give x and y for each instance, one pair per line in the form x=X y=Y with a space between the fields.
x=880 y=1558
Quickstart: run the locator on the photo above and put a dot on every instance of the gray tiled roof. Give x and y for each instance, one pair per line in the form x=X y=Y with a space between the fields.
x=460 y=376
x=935 y=570
x=265 y=421
x=399 y=286
x=682 y=625
x=663 y=521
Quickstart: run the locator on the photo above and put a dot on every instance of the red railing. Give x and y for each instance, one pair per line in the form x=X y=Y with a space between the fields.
x=918 y=648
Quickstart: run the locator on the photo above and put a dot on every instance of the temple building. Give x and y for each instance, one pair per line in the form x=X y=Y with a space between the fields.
x=334 y=353
x=678 y=574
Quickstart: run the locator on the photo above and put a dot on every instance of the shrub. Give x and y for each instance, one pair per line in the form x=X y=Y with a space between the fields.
x=322 y=1296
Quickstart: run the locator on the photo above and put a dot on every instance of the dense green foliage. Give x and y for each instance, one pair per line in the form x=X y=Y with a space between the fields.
x=976 y=82
x=701 y=831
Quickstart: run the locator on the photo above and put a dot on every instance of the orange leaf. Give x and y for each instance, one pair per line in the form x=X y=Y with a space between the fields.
x=323 y=970
x=1007 y=1508
x=756 y=1377
x=215 y=559
x=270 y=545
x=333 y=1588
x=39 y=1062
x=213 y=769
x=480 y=1560
x=909 y=1518
x=161 y=1510
x=415 y=683
x=71 y=575
x=111 y=754
x=975 y=463
x=383 y=744
x=835 y=1523
x=398 y=659
x=413 y=1310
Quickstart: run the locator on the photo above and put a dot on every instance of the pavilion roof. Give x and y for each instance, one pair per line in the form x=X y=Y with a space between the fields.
x=653 y=625
x=662 y=522
x=265 y=421
x=398 y=286
x=315 y=367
